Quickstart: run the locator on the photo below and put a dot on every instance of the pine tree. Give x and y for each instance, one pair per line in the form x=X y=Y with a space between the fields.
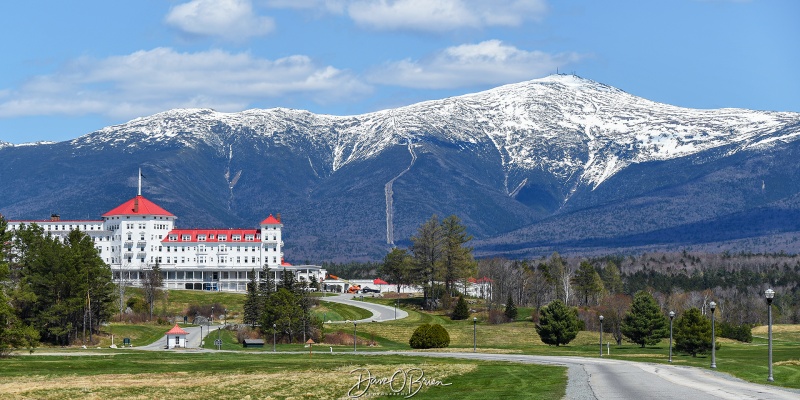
x=396 y=267
x=612 y=280
x=461 y=311
x=457 y=261
x=558 y=323
x=287 y=281
x=427 y=250
x=644 y=324
x=511 y=309
x=693 y=333
x=253 y=302
x=587 y=282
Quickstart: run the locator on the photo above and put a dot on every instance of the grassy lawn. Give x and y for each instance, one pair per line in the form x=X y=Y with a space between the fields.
x=129 y=375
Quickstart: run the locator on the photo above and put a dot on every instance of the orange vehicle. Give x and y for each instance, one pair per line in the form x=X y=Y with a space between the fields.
x=354 y=289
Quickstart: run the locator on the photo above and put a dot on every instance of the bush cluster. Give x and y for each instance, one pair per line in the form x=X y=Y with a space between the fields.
x=741 y=333
x=428 y=336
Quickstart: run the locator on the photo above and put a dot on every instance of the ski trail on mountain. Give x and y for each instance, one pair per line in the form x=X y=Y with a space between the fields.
x=389 y=193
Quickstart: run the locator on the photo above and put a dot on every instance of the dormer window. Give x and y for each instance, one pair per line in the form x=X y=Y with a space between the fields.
x=236 y=238
x=186 y=238
x=248 y=238
x=201 y=238
x=222 y=238
x=173 y=238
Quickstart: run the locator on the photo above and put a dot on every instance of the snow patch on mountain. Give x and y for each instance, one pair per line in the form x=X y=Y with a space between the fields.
x=581 y=131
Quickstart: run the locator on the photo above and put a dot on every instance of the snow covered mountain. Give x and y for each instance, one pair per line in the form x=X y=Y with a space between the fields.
x=527 y=166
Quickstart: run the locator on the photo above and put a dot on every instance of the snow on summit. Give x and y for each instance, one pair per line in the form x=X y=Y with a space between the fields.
x=575 y=128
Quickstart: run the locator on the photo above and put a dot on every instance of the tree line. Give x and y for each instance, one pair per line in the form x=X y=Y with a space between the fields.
x=51 y=290
x=282 y=308
x=437 y=260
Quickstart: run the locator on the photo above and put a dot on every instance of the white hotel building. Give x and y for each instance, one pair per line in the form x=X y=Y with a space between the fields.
x=138 y=234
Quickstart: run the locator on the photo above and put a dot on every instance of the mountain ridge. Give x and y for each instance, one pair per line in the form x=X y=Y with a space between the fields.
x=505 y=160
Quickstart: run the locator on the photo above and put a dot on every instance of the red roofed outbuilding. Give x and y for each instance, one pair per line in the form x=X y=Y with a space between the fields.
x=176 y=337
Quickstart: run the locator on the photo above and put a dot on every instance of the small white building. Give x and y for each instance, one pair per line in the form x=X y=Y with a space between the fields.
x=176 y=337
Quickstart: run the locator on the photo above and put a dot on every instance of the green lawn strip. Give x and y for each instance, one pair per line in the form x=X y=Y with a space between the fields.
x=340 y=312
x=140 y=334
x=481 y=379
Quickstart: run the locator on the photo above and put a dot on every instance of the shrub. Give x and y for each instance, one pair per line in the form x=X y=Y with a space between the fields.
x=741 y=333
x=429 y=337
x=461 y=311
x=558 y=323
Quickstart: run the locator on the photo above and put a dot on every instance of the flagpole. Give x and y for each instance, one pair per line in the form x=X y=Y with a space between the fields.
x=140 y=183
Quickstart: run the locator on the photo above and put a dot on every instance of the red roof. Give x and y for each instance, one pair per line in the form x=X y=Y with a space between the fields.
x=284 y=263
x=270 y=221
x=379 y=281
x=176 y=330
x=212 y=235
x=138 y=206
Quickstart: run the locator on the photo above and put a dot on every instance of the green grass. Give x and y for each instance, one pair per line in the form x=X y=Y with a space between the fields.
x=224 y=375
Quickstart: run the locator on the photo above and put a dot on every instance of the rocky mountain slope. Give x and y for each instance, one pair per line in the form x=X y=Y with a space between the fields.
x=559 y=163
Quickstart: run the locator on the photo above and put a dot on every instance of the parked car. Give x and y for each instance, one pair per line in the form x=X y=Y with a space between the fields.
x=368 y=289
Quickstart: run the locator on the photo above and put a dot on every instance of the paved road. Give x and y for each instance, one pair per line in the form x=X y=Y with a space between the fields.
x=380 y=313
x=594 y=378
x=192 y=339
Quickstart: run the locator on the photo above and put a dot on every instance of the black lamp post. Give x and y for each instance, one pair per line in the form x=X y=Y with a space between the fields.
x=212 y=314
x=355 y=339
x=474 y=334
x=671 y=316
x=601 y=336
x=713 y=306
x=274 y=331
x=769 y=294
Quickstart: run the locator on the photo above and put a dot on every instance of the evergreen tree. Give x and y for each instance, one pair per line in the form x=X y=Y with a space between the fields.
x=644 y=324
x=558 y=323
x=253 y=302
x=612 y=279
x=462 y=309
x=283 y=309
x=287 y=281
x=13 y=332
x=427 y=250
x=693 y=333
x=587 y=282
x=511 y=309
x=266 y=283
x=313 y=283
x=457 y=261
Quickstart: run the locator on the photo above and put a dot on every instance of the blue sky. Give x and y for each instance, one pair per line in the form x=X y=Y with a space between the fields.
x=70 y=68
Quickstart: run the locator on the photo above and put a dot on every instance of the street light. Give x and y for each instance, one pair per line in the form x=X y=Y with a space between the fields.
x=769 y=294
x=601 y=336
x=713 y=306
x=274 y=330
x=474 y=334
x=671 y=316
x=354 y=336
x=212 y=314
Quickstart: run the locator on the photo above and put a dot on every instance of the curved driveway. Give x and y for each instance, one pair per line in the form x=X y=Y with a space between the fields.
x=380 y=313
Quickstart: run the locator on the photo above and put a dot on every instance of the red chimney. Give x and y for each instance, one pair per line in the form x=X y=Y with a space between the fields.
x=55 y=217
x=278 y=217
x=136 y=204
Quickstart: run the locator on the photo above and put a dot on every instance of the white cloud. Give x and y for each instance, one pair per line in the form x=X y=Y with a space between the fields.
x=427 y=15
x=230 y=19
x=487 y=63
x=151 y=81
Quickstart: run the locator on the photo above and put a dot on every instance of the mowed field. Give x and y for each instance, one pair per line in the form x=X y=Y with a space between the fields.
x=333 y=369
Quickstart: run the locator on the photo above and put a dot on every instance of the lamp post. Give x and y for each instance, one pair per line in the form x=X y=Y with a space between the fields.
x=212 y=314
x=395 y=307
x=601 y=336
x=474 y=334
x=671 y=316
x=769 y=294
x=355 y=339
x=274 y=331
x=713 y=306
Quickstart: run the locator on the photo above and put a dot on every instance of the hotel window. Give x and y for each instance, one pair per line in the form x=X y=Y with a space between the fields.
x=236 y=238
x=254 y=259
x=222 y=238
x=130 y=236
x=248 y=238
x=186 y=238
x=211 y=236
x=173 y=238
x=222 y=259
x=238 y=260
x=201 y=259
x=201 y=238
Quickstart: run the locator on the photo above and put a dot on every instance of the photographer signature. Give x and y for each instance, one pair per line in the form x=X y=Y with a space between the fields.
x=402 y=382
